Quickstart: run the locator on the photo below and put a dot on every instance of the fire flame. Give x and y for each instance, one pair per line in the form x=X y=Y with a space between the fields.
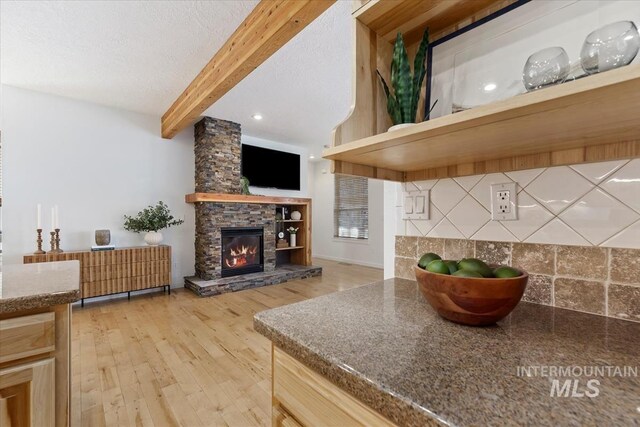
x=240 y=256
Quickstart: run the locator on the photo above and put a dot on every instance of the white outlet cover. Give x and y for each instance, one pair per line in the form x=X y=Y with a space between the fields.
x=416 y=205
x=504 y=209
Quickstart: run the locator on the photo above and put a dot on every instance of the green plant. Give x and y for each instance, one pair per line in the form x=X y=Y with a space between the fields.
x=244 y=183
x=152 y=218
x=402 y=104
x=292 y=230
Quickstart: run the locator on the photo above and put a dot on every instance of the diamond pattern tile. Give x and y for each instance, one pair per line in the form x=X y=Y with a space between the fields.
x=627 y=238
x=468 y=216
x=445 y=229
x=531 y=217
x=494 y=231
x=598 y=216
x=482 y=190
x=596 y=172
x=557 y=188
x=557 y=232
x=446 y=194
x=524 y=178
x=624 y=184
x=467 y=182
x=424 y=226
x=425 y=185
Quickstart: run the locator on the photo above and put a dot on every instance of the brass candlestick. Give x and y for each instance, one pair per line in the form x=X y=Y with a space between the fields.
x=58 y=250
x=39 y=242
x=53 y=242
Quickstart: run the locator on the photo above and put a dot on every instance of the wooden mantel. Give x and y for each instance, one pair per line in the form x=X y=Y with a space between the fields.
x=240 y=198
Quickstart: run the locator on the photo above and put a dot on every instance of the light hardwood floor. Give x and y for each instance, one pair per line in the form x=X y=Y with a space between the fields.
x=183 y=360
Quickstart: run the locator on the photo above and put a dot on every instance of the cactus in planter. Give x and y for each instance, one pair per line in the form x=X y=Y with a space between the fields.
x=402 y=104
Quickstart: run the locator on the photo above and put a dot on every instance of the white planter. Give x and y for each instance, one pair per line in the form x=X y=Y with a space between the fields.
x=153 y=238
x=400 y=126
x=292 y=240
x=295 y=215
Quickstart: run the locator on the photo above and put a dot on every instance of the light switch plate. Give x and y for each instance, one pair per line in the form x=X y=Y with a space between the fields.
x=504 y=203
x=416 y=204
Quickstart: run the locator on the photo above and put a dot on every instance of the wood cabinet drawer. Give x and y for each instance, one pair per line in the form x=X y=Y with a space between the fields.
x=26 y=336
x=313 y=400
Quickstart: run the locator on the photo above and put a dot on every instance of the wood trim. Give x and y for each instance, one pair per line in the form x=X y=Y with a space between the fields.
x=313 y=400
x=63 y=364
x=270 y=25
x=240 y=198
x=26 y=336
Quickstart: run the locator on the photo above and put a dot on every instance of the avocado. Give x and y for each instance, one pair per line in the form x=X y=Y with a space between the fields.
x=505 y=272
x=474 y=264
x=467 y=273
x=438 y=266
x=453 y=266
x=427 y=258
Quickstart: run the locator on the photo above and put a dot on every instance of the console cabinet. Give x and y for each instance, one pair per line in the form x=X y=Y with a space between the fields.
x=116 y=271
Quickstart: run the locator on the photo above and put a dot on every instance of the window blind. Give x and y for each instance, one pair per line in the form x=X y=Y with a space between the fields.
x=351 y=207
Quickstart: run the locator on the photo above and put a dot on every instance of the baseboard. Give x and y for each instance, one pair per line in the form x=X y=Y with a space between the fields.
x=350 y=261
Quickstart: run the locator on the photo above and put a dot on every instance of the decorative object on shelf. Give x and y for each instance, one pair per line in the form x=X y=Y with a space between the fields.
x=546 y=67
x=103 y=237
x=292 y=235
x=52 y=242
x=57 y=234
x=244 y=183
x=151 y=220
x=296 y=215
x=278 y=216
x=612 y=46
x=39 y=251
x=402 y=105
x=282 y=243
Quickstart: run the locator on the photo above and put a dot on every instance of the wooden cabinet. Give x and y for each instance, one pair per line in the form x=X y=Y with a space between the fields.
x=27 y=396
x=302 y=397
x=116 y=271
x=35 y=379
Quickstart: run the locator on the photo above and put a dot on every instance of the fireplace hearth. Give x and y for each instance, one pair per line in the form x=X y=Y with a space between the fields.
x=242 y=251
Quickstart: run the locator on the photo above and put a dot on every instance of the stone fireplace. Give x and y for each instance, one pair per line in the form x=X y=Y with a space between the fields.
x=235 y=242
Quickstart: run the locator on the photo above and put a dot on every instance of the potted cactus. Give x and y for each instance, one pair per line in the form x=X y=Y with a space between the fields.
x=402 y=104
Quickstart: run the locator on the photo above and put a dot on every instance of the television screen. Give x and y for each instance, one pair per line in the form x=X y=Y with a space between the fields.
x=270 y=168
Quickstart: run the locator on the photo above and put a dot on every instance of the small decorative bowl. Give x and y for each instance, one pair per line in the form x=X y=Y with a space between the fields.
x=469 y=300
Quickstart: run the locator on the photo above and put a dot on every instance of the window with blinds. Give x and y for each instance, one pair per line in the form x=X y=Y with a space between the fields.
x=351 y=207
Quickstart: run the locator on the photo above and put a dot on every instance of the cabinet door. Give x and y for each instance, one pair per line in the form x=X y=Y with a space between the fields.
x=27 y=394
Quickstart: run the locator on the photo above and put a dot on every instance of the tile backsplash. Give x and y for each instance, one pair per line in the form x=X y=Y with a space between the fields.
x=598 y=280
x=595 y=204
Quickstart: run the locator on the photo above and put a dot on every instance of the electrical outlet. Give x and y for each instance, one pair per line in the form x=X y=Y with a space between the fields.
x=504 y=202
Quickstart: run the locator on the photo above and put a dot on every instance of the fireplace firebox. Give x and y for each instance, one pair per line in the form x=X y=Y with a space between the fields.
x=242 y=251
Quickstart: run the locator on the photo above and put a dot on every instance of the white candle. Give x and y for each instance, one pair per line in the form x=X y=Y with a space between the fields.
x=39 y=216
x=57 y=218
x=53 y=218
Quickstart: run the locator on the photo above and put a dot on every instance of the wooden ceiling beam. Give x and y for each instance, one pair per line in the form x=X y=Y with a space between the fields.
x=269 y=26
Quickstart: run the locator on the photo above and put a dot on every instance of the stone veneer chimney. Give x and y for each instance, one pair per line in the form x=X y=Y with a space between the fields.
x=218 y=155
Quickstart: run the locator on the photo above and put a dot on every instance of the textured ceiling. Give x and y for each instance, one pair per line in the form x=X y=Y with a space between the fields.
x=140 y=55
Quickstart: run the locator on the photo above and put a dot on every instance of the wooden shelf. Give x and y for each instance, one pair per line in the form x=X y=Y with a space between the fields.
x=239 y=198
x=591 y=119
x=290 y=248
x=411 y=17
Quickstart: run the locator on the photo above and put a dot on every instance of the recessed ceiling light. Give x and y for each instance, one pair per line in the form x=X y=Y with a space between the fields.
x=257 y=116
x=312 y=156
x=490 y=86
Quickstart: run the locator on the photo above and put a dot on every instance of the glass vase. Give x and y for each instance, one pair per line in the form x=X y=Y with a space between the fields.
x=612 y=46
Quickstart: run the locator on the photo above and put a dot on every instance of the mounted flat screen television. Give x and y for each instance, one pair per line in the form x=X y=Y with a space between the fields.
x=270 y=168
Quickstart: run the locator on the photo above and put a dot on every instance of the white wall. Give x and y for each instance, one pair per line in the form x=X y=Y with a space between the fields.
x=369 y=252
x=95 y=163
x=304 y=167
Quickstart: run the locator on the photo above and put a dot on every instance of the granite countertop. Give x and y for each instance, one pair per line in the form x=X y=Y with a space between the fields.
x=386 y=346
x=28 y=286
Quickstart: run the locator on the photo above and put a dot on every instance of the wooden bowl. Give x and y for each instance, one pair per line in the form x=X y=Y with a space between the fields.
x=469 y=300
